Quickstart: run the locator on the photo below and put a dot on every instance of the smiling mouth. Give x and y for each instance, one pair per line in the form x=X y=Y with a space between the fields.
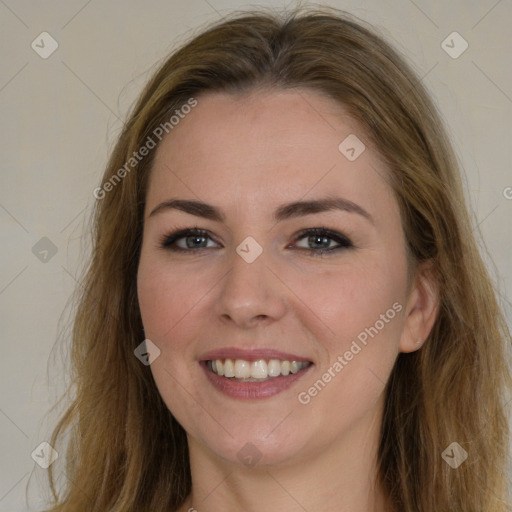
x=260 y=370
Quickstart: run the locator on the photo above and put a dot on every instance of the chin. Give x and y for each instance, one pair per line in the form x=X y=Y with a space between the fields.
x=256 y=445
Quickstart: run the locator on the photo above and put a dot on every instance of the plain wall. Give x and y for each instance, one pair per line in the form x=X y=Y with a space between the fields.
x=60 y=117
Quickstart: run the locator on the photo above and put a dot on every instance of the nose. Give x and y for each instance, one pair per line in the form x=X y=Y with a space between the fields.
x=251 y=293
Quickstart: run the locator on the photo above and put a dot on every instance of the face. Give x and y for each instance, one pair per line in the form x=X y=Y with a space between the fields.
x=271 y=275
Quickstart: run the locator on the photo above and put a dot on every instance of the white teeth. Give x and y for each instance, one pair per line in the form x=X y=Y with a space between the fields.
x=274 y=368
x=242 y=369
x=259 y=369
x=256 y=370
x=229 y=368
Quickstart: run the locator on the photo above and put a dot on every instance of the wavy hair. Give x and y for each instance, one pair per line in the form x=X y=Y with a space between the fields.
x=126 y=452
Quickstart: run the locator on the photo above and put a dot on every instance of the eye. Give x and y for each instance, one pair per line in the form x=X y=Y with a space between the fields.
x=186 y=239
x=319 y=241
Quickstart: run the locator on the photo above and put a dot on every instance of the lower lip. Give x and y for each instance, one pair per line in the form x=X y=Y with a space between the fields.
x=253 y=390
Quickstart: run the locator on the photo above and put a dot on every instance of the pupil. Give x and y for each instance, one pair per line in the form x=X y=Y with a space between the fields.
x=195 y=239
x=319 y=239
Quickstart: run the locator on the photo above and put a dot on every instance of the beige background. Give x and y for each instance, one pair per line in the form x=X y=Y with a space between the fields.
x=60 y=117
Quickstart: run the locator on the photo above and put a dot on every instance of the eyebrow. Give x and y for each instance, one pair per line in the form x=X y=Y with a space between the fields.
x=283 y=212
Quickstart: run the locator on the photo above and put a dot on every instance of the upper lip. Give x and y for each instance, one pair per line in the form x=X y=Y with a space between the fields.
x=251 y=355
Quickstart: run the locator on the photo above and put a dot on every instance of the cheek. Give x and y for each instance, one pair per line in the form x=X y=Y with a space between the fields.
x=365 y=312
x=157 y=303
x=167 y=297
x=363 y=306
x=350 y=299
x=167 y=301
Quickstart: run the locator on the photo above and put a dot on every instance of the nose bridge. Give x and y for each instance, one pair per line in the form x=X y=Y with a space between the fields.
x=250 y=289
x=246 y=277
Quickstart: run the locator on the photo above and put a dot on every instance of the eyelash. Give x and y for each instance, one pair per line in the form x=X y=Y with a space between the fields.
x=167 y=241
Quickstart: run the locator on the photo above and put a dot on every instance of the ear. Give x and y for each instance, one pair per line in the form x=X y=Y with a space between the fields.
x=422 y=308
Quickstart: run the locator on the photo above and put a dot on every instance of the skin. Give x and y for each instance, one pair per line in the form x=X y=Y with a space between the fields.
x=247 y=155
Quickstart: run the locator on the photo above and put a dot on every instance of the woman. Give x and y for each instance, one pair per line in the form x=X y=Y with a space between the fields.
x=282 y=222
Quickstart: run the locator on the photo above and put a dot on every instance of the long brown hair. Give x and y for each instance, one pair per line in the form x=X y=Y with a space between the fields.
x=125 y=451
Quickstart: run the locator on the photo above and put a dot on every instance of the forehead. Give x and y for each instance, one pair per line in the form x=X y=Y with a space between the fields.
x=271 y=120
x=278 y=144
